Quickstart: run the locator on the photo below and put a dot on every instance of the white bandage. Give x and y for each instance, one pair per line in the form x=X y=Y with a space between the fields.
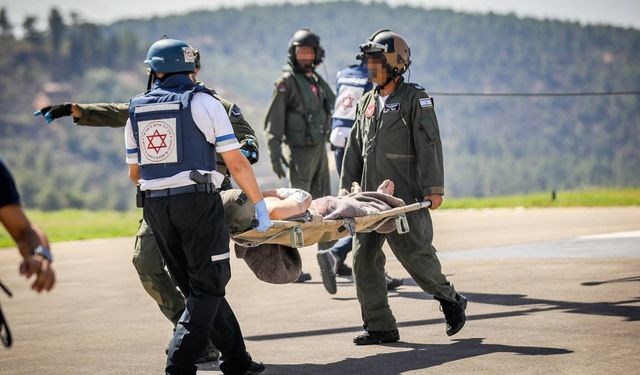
x=297 y=195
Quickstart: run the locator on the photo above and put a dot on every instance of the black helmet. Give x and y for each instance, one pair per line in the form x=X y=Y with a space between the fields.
x=392 y=47
x=306 y=38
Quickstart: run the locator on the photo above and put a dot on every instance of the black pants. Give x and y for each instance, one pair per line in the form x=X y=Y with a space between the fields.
x=193 y=240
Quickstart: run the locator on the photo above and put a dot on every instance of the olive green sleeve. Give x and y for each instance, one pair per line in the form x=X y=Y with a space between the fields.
x=112 y=115
x=428 y=146
x=329 y=103
x=275 y=122
x=329 y=95
x=241 y=128
x=352 y=163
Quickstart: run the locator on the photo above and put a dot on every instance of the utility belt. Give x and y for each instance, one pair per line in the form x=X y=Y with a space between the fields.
x=203 y=184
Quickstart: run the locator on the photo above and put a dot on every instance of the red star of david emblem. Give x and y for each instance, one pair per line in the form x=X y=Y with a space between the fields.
x=154 y=146
x=346 y=102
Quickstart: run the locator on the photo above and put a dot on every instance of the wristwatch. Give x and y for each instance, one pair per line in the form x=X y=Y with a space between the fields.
x=43 y=252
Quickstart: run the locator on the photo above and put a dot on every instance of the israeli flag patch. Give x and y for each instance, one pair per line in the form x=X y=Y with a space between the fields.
x=426 y=103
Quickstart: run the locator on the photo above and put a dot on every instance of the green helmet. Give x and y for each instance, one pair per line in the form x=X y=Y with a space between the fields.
x=171 y=56
x=238 y=210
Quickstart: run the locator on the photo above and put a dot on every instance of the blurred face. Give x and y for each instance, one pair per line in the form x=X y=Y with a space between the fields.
x=375 y=69
x=305 y=55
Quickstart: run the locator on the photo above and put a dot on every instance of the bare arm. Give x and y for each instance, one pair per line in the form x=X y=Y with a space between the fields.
x=27 y=237
x=242 y=173
x=134 y=173
x=20 y=229
x=286 y=208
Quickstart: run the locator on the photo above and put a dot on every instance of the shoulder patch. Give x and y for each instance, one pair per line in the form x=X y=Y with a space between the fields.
x=426 y=102
x=282 y=86
x=416 y=86
x=371 y=109
x=235 y=111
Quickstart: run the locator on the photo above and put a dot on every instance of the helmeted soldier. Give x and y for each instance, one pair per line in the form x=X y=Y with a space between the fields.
x=300 y=117
x=351 y=83
x=172 y=136
x=396 y=137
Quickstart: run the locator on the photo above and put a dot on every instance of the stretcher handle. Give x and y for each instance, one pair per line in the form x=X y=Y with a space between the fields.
x=286 y=224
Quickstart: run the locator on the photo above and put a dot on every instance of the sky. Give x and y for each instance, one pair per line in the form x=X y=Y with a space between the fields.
x=625 y=13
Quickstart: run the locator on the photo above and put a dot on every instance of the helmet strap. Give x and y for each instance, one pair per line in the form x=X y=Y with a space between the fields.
x=391 y=75
x=150 y=79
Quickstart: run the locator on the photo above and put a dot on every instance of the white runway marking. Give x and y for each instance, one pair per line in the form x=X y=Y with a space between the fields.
x=613 y=245
x=631 y=234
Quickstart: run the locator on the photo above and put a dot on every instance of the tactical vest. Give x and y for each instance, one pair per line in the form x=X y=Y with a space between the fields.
x=169 y=141
x=352 y=84
x=305 y=124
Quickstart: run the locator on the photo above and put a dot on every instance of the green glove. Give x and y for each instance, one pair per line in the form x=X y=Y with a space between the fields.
x=278 y=169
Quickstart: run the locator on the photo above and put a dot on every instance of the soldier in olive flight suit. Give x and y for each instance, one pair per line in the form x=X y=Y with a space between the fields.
x=146 y=256
x=396 y=137
x=300 y=116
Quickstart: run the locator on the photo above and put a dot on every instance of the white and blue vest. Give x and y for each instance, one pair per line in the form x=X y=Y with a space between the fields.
x=169 y=141
x=352 y=84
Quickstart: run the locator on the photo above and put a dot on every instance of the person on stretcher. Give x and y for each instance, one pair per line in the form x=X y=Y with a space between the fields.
x=285 y=203
x=280 y=264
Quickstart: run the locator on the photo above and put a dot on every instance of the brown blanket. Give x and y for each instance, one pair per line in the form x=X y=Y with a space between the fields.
x=272 y=263
x=278 y=264
x=357 y=205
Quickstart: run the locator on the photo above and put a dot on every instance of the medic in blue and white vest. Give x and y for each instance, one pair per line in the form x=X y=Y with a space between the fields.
x=172 y=136
x=352 y=83
x=169 y=141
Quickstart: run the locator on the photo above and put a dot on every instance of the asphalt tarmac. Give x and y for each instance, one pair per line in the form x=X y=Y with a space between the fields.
x=551 y=291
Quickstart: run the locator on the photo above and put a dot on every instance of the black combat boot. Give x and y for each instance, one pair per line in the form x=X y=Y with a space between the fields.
x=327 y=262
x=342 y=269
x=377 y=337
x=255 y=368
x=454 y=313
x=210 y=354
x=392 y=282
x=304 y=276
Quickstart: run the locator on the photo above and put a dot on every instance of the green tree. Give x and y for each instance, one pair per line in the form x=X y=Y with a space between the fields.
x=6 y=28
x=30 y=32
x=56 y=31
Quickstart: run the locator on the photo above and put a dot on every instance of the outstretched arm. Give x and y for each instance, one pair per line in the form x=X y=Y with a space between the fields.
x=112 y=115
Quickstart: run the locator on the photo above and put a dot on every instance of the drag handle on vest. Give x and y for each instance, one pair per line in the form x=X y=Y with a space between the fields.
x=139 y=197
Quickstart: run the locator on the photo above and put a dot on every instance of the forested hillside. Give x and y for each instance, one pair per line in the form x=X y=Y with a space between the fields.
x=492 y=146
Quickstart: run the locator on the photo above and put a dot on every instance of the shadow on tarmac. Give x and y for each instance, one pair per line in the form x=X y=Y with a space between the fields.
x=622 y=280
x=618 y=309
x=418 y=357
